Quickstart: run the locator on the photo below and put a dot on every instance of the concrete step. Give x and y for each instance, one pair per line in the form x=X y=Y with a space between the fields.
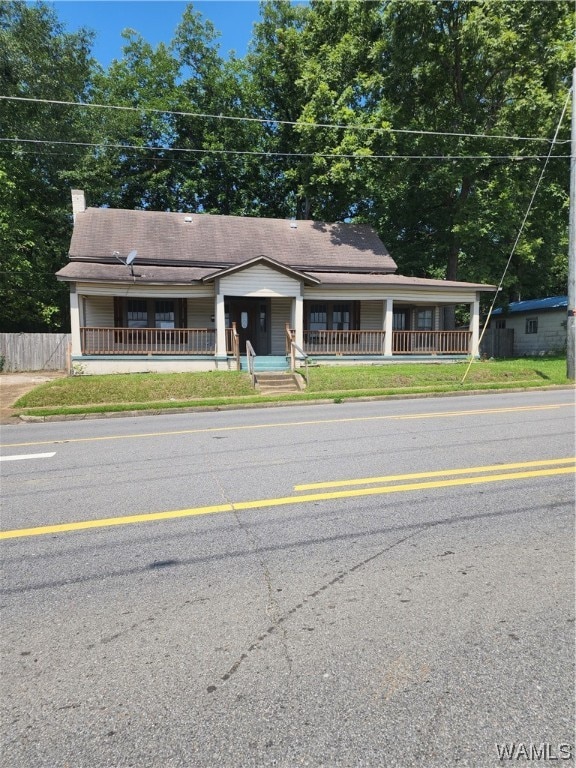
x=266 y=363
x=277 y=383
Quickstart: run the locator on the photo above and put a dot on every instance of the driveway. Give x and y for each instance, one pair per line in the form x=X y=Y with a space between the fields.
x=14 y=385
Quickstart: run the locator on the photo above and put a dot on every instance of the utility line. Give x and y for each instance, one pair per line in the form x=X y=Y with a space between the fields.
x=283 y=154
x=519 y=235
x=274 y=121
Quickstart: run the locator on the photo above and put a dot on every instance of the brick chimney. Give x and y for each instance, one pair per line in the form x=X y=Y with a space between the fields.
x=78 y=202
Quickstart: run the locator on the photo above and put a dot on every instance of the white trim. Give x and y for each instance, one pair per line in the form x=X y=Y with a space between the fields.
x=401 y=295
x=220 y=317
x=75 y=321
x=148 y=291
x=388 y=326
x=475 y=327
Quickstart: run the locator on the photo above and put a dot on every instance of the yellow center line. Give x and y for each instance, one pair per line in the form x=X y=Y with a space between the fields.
x=282 y=501
x=438 y=473
x=275 y=425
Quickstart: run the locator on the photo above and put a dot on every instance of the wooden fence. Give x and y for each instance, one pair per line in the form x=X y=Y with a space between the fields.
x=34 y=351
x=498 y=342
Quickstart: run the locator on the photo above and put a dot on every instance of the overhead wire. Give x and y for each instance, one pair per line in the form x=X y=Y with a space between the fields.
x=274 y=121
x=520 y=231
x=255 y=153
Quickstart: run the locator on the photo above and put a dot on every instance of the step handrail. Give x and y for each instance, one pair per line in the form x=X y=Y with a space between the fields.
x=303 y=356
x=251 y=360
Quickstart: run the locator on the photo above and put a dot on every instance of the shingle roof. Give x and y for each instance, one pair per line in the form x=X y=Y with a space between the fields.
x=223 y=241
x=534 y=305
x=118 y=273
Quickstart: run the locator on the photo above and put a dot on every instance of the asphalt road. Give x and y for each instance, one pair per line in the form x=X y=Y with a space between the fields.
x=364 y=584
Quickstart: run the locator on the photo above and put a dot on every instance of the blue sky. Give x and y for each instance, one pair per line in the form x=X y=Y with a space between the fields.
x=156 y=21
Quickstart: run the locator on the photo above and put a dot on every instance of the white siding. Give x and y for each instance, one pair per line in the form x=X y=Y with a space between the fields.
x=259 y=281
x=281 y=311
x=402 y=294
x=371 y=315
x=98 y=311
x=200 y=312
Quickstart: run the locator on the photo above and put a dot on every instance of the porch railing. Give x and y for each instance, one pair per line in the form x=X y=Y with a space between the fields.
x=292 y=350
x=233 y=344
x=344 y=342
x=148 y=341
x=431 y=342
x=372 y=342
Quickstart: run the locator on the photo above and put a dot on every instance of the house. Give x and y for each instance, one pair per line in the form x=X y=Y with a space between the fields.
x=203 y=290
x=538 y=325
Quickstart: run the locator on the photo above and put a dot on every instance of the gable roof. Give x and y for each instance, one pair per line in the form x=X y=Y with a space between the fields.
x=206 y=240
x=533 y=305
x=306 y=278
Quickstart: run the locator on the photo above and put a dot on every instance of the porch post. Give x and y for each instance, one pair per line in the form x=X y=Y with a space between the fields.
x=298 y=319
x=75 y=321
x=475 y=327
x=388 y=326
x=220 y=316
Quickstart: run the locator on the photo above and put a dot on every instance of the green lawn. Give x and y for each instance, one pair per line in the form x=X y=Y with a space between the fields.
x=143 y=391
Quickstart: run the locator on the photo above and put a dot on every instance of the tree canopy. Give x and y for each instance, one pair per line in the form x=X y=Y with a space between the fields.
x=431 y=121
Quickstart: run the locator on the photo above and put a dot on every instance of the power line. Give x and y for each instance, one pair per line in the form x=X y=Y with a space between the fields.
x=254 y=153
x=520 y=232
x=274 y=121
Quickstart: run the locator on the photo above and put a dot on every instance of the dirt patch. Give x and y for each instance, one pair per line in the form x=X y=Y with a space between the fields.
x=14 y=385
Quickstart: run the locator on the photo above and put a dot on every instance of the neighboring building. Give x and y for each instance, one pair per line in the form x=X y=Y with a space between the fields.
x=539 y=325
x=202 y=286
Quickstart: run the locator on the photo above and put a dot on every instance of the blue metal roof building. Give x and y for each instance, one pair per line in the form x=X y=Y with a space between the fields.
x=534 y=305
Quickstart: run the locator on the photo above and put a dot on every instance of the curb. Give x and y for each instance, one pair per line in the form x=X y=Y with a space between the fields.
x=280 y=404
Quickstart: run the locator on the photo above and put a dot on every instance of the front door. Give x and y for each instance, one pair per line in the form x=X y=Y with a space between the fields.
x=252 y=318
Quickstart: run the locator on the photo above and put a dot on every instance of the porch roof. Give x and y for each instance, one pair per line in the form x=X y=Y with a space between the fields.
x=363 y=280
x=96 y=272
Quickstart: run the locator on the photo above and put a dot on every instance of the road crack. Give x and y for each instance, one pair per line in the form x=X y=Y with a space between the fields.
x=281 y=619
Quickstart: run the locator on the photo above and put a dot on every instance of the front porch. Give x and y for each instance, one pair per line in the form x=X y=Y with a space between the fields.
x=198 y=345
x=285 y=331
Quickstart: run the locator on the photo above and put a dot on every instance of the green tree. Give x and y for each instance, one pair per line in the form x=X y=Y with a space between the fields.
x=491 y=67
x=131 y=165
x=38 y=60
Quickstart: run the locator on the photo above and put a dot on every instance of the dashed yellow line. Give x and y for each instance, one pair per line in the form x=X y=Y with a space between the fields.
x=275 y=425
x=438 y=473
x=277 y=502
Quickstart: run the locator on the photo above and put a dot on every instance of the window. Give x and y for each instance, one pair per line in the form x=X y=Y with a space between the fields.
x=137 y=313
x=400 y=321
x=341 y=317
x=149 y=313
x=318 y=317
x=424 y=319
x=329 y=316
x=164 y=314
x=531 y=325
x=500 y=322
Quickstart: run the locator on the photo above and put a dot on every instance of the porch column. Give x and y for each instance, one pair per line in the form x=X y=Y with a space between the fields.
x=298 y=319
x=220 y=316
x=475 y=328
x=388 y=326
x=75 y=321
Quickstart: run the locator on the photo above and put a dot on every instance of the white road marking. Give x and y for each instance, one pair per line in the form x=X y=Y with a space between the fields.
x=23 y=456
